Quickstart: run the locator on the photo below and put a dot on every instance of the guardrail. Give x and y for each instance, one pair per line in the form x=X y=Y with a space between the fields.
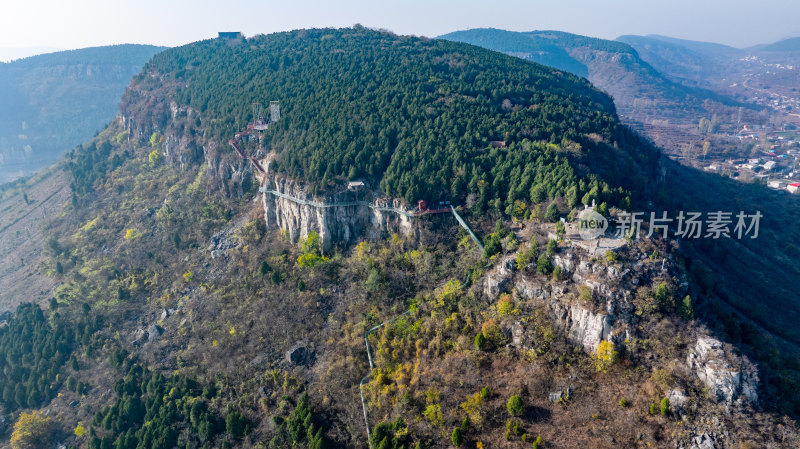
x=464 y=225
x=405 y=213
x=340 y=204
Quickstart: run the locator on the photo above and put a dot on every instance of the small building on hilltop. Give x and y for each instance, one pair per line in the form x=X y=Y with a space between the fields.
x=230 y=35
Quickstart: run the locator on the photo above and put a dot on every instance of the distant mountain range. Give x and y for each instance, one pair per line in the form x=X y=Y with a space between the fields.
x=707 y=63
x=643 y=95
x=54 y=101
x=683 y=58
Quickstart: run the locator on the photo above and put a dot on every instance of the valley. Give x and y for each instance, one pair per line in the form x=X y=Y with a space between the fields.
x=203 y=277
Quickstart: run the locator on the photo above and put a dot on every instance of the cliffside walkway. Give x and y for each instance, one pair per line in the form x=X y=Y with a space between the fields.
x=464 y=225
x=235 y=144
x=405 y=213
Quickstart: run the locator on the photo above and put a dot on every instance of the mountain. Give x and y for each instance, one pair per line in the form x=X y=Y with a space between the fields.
x=713 y=65
x=683 y=58
x=414 y=146
x=8 y=54
x=791 y=44
x=665 y=110
x=55 y=101
x=186 y=296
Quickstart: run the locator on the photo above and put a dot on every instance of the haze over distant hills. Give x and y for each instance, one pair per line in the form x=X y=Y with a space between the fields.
x=705 y=62
x=8 y=54
x=687 y=59
x=55 y=101
x=643 y=95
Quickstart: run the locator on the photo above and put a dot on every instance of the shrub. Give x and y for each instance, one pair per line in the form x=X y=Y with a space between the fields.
x=686 y=308
x=623 y=402
x=492 y=244
x=605 y=356
x=71 y=384
x=537 y=442
x=264 y=268
x=310 y=260
x=480 y=341
x=31 y=431
x=456 y=437
x=485 y=393
x=560 y=230
x=552 y=214
x=522 y=260
x=533 y=249
x=552 y=246
x=602 y=209
x=491 y=330
x=154 y=157
x=664 y=406
x=235 y=424
x=515 y=405
x=512 y=427
x=433 y=413
x=584 y=293
x=505 y=305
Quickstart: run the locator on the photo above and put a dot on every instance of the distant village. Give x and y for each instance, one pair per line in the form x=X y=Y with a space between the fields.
x=777 y=165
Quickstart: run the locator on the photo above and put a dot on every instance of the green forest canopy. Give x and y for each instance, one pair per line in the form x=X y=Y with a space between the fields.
x=416 y=116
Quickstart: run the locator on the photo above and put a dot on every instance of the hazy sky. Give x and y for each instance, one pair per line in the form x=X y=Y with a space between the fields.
x=83 y=23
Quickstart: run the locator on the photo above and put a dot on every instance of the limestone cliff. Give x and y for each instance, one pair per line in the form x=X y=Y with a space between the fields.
x=336 y=224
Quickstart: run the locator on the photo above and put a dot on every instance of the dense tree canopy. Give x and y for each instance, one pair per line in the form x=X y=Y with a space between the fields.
x=34 y=350
x=423 y=119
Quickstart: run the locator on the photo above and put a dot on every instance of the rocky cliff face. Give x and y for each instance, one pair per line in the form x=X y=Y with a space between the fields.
x=583 y=324
x=339 y=225
x=729 y=377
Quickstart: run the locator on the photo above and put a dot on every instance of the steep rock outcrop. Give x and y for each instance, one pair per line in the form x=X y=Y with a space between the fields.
x=336 y=225
x=499 y=279
x=588 y=328
x=582 y=326
x=728 y=376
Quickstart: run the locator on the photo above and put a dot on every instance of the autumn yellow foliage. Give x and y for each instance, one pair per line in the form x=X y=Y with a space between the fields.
x=31 y=431
x=505 y=305
x=605 y=356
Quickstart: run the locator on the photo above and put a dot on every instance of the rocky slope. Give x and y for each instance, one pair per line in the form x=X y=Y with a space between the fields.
x=710 y=371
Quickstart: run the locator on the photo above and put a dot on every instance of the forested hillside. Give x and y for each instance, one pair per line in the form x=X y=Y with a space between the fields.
x=666 y=111
x=181 y=320
x=416 y=116
x=55 y=101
